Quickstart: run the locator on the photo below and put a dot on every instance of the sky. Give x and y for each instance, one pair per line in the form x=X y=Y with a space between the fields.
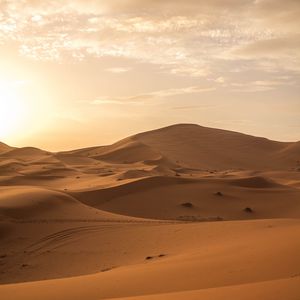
x=85 y=72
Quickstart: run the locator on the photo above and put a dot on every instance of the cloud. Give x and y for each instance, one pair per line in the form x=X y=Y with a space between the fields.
x=112 y=100
x=174 y=6
x=272 y=55
x=181 y=91
x=220 y=79
x=284 y=15
x=192 y=107
x=287 y=46
x=141 y=98
x=257 y=86
x=118 y=70
x=191 y=38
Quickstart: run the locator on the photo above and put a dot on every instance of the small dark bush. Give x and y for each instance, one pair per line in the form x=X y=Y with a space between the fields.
x=106 y=269
x=218 y=194
x=248 y=209
x=187 y=204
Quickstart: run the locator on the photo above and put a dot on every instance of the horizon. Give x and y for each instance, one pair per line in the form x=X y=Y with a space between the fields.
x=76 y=73
x=142 y=132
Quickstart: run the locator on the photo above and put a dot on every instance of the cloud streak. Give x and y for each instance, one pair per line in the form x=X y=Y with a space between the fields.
x=142 y=98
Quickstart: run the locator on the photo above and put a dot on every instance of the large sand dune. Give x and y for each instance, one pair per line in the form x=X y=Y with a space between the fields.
x=182 y=212
x=195 y=146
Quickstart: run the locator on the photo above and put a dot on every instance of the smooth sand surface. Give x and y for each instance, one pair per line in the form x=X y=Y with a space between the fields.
x=183 y=212
x=268 y=290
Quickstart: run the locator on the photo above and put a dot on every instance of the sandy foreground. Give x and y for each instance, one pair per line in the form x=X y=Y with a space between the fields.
x=183 y=212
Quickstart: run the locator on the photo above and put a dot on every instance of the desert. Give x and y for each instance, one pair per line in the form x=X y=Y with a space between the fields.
x=149 y=150
x=164 y=214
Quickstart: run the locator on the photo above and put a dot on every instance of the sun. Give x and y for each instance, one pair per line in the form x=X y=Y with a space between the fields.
x=12 y=109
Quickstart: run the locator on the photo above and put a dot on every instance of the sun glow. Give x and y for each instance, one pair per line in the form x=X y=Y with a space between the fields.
x=13 y=109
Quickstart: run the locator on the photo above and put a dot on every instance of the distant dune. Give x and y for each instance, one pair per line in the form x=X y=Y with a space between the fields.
x=196 y=146
x=4 y=147
x=182 y=212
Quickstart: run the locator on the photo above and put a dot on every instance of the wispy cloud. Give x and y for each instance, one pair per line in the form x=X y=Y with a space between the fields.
x=141 y=98
x=200 y=107
x=118 y=70
x=257 y=86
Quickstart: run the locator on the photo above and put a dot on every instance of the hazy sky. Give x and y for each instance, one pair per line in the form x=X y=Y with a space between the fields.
x=87 y=72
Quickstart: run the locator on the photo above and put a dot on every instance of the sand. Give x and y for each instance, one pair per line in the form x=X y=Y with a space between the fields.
x=183 y=212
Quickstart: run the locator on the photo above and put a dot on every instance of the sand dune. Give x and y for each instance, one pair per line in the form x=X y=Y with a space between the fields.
x=228 y=254
x=127 y=152
x=38 y=204
x=26 y=154
x=4 y=147
x=163 y=198
x=267 y=290
x=182 y=212
x=195 y=146
x=256 y=182
x=176 y=150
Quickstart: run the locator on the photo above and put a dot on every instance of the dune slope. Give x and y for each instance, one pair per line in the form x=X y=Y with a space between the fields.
x=194 y=256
